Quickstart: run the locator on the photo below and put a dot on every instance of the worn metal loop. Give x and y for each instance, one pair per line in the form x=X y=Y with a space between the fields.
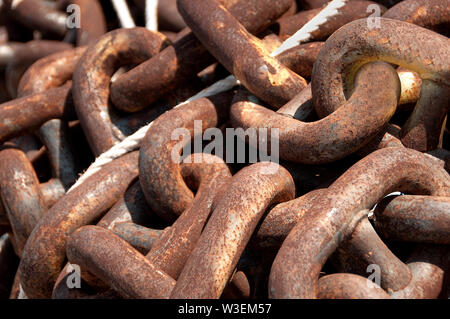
x=405 y=44
x=339 y=134
x=186 y=57
x=160 y=172
x=92 y=78
x=296 y=267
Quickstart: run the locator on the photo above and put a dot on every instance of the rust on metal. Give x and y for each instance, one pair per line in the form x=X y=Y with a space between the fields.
x=21 y=195
x=430 y=14
x=241 y=53
x=24 y=57
x=296 y=268
x=58 y=69
x=92 y=79
x=160 y=176
x=287 y=26
x=176 y=242
x=414 y=219
x=44 y=253
x=120 y=266
x=181 y=61
x=349 y=286
x=247 y=197
x=398 y=42
x=340 y=133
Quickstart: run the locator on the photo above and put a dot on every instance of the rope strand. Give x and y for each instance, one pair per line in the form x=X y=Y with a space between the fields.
x=304 y=33
x=151 y=15
x=131 y=143
x=123 y=13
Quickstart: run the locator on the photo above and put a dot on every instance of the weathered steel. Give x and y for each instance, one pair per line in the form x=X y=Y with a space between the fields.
x=376 y=93
x=296 y=268
x=44 y=253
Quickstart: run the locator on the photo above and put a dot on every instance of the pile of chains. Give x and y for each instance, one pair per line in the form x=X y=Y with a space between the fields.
x=119 y=177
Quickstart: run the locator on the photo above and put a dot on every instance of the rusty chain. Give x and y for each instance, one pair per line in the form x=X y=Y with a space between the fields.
x=319 y=168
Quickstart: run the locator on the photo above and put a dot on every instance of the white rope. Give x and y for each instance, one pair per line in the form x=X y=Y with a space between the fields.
x=304 y=34
x=151 y=15
x=14 y=4
x=123 y=13
x=131 y=143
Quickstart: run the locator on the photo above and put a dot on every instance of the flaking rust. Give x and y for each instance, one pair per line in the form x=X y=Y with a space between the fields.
x=357 y=112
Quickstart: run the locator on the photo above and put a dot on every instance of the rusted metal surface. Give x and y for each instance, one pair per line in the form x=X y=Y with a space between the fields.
x=37 y=15
x=26 y=56
x=168 y=16
x=58 y=69
x=130 y=208
x=414 y=218
x=172 y=66
x=340 y=133
x=301 y=58
x=237 y=288
x=421 y=277
x=92 y=78
x=405 y=44
x=241 y=53
x=52 y=190
x=49 y=20
x=296 y=268
x=430 y=14
x=186 y=57
x=283 y=217
x=349 y=286
x=173 y=222
x=310 y=4
x=62 y=291
x=351 y=11
x=21 y=195
x=423 y=130
x=443 y=155
x=44 y=252
x=28 y=143
x=169 y=254
x=176 y=243
x=160 y=176
x=427 y=264
x=141 y=238
x=363 y=248
x=30 y=112
x=247 y=197
x=124 y=218
x=170 y=248
x=121 y=266
x=300 y=107
x=15 y=166
x=55 y=135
